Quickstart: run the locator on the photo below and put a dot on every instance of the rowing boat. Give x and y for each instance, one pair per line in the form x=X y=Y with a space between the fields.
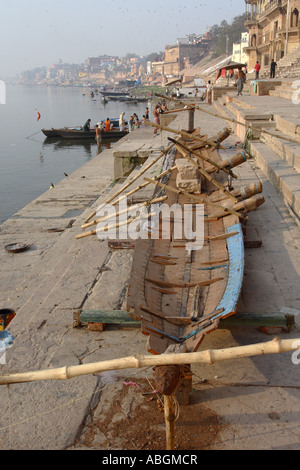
x=180 y=289
x=57 y=132
x=85 y=135
x=69 y=133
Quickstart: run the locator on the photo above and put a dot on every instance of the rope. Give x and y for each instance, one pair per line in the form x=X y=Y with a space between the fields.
x=33 y=134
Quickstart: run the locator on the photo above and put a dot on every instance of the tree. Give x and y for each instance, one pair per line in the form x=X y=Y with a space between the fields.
x=227 y=34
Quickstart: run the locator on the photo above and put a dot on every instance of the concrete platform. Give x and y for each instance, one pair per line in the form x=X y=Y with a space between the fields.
x=255 y=402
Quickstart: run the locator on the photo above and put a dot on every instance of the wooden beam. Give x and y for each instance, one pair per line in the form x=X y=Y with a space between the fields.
x=122 y=318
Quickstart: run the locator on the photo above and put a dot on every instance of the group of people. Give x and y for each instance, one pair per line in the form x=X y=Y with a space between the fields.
x=273 y=66
x=101 y=126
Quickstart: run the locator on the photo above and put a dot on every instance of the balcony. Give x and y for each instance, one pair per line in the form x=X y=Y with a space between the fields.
x=272 y=8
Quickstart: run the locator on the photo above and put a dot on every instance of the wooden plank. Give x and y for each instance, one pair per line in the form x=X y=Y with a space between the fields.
x=122 y=318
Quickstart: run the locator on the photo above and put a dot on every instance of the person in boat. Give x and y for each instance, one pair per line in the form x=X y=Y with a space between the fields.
x=98 y=136
x=107 y=126
x=122 y=121
x=209 y=90
x=87 y=126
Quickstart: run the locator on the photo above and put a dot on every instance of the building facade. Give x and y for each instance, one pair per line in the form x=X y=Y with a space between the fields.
x=239 y=54
x=273 y=27
x=186 y=53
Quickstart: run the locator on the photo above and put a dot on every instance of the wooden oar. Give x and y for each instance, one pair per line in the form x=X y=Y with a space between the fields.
x=203 y=157
x=109 y=227
x=261 y=131
x=132 y=180
x=185 y=153
x=124 y=211
x=138 y=188
x=202 y=200
x=184 y=134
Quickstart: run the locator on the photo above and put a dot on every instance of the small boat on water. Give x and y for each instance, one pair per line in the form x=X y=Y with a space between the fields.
x=114 y=92
x=80 y=134
x=77 y=132
x=128 y=99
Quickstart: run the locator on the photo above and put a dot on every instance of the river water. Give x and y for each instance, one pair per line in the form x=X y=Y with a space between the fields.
x=30 y=162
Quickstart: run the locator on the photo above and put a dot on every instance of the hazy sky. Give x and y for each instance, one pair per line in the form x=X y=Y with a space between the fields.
x=37 y=33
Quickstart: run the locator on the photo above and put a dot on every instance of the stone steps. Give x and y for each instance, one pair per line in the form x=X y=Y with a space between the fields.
x=276 y=157
x=282 y=175
x=285 y=150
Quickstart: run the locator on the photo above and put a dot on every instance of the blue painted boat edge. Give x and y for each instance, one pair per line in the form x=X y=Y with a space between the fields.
x=228 y=303
x=235 y=246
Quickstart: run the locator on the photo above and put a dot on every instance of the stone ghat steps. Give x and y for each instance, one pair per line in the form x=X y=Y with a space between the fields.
x=289 y=91
x=278 y=158
x=287 y=67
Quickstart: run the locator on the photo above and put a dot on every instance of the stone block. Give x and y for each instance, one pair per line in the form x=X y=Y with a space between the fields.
x=188 y=185
x=186 y=169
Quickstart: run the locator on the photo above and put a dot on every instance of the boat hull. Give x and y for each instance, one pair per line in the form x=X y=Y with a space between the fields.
x=181 y=289
x=83 y=135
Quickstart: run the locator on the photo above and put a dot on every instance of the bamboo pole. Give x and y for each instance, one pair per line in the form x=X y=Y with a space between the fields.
x=112 y=226
x=210 y=356
x=170 y=421
x=143 y=185
x=124 y=211
x=184 y=134
x=132 y=180
x=262 y=131
x=203 y=157
x=200 y=199
x=185 y=153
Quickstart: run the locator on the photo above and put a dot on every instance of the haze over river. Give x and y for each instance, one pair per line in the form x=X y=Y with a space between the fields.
x=30 y=162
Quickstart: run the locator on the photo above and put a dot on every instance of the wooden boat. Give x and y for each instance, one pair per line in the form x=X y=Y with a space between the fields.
x=51 y=132
x=114 y=92
x=80 y=134
x=77 y=132
x=180 y=293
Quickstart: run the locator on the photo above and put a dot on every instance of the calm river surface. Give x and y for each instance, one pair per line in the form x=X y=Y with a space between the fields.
x=29 y=162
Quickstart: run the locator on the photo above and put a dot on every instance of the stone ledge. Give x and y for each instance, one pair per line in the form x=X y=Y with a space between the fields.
x=280 y=173
x=286 y=150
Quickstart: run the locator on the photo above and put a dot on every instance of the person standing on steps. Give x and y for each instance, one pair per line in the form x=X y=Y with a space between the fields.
x=209 y=90
x=240 y=80
x=257 y=69
x=273 y=69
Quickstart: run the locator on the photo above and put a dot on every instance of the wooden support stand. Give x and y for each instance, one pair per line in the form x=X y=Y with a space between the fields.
x=122 y=318
x=170 y=421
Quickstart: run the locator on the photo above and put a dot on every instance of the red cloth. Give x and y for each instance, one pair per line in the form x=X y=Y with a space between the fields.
x=257 y=67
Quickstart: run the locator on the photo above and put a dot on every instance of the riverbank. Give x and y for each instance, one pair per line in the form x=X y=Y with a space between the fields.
x=251 y=403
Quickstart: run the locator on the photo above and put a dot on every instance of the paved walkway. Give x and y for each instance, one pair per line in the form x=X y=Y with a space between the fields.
x=258 y=399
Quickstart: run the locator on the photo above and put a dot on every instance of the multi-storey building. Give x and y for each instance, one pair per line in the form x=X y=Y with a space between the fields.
x=274 y=29
x=238 y=49
x=186 y=53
